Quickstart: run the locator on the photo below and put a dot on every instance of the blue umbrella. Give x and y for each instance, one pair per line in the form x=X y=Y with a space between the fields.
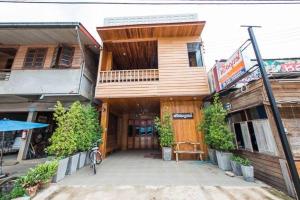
x=12 y=125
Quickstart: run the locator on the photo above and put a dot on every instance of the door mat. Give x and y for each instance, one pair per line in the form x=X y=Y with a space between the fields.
x=153 y=155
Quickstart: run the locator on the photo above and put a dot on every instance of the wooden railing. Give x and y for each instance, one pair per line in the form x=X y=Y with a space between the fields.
x=4 y=74
x=129 y=75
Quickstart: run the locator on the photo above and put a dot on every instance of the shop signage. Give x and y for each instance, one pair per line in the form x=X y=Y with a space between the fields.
x=232 y=69
x=183 y=116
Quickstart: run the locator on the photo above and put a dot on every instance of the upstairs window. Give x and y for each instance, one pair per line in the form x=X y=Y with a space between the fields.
x=35 y=58
x=63 y=57
x=195 y=55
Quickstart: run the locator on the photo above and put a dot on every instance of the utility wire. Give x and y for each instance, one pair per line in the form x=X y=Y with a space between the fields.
x=162 y=2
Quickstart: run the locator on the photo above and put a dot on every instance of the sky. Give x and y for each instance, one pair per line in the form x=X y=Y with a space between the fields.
x=279 y=36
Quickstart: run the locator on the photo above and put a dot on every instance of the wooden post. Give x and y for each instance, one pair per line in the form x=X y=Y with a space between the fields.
x=119 y=134
x=104 y=125
x=125 y=131
x=25 y=143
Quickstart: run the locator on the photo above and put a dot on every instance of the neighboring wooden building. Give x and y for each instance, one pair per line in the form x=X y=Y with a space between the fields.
x=251 y=119
x=148 y=66
x=41 y=63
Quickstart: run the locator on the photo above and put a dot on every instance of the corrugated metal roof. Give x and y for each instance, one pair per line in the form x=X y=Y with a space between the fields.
x=27 y=33
x=154 y=19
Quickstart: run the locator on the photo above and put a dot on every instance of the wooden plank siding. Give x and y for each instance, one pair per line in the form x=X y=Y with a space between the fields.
x=176 y=78
x=22 y=50
x=185 y=129
x=266 y=168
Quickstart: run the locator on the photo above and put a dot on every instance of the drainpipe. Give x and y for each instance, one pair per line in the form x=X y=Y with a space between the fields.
x=82 y=58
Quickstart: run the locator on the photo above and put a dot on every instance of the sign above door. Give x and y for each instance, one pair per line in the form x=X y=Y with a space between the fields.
x=182 y=115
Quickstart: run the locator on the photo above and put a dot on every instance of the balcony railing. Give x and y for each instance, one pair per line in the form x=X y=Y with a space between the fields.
x=129 y=75
x=4 y=74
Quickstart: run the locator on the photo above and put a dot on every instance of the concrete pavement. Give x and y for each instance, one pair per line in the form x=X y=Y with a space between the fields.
x=140 y=175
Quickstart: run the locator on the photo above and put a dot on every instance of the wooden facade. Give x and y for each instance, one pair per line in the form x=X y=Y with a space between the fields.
x=144 y=71
x=269 y=167
x=22 y=50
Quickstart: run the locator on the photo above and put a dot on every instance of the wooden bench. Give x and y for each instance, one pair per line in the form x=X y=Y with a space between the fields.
x=194 y=151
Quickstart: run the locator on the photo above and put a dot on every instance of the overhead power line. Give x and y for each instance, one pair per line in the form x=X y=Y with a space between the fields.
x=160 y=2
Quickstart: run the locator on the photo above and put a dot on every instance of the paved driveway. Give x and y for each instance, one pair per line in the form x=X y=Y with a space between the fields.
x=140 y=175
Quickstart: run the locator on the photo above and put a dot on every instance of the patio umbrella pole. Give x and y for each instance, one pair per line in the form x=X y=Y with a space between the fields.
x=1 y=171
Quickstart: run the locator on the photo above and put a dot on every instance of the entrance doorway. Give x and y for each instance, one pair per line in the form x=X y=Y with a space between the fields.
x=130 y=124
x=142 y=134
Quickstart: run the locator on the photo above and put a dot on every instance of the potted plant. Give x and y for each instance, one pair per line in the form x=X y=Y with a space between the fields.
x=218 y=134
x=247 y=170
x=235 y=165
x=63 y=141
x=46 y=172
x=166 y=136
x=204 y=127
x=30 y=182
x=89 y=133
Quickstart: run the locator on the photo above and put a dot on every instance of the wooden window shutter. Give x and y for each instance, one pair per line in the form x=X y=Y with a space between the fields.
x=66 y=57
x=246 y=136
x=264 y=137
x=54 y=58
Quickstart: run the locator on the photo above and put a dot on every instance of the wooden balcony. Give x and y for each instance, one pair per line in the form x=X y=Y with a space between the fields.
x=152 y=83
x=116 y=76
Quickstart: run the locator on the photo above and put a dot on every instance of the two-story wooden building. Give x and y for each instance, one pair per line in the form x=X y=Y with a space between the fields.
x=148 y=66
x=41 y=63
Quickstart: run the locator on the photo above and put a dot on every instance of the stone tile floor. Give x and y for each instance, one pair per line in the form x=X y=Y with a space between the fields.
x=136 y=175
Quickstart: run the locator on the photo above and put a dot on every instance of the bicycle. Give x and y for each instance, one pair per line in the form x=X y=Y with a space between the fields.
x=95 y=157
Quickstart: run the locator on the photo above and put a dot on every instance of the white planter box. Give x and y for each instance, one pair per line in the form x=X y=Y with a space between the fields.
x=87 y=158
x=167 y=153
x=248 y=173
x=236 y=168
x=61 y=170
x=82 y=158
x=224 y=160
x=212 y=156
x=72 y=165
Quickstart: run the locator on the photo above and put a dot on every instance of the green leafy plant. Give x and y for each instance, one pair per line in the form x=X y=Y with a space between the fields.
x=165 y=130
x=63 y=140
x=17 y=191
x=46 y=171
x=244 y=162
x=214 y=127
x=78 y=129
x=40 y=174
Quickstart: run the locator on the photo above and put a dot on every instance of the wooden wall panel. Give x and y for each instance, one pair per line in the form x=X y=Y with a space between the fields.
x=21 y=53
x=176 y=78
x=266 y=168
x=186 y=129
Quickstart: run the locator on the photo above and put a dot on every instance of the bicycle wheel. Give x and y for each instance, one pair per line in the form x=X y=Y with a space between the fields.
x=98 y=158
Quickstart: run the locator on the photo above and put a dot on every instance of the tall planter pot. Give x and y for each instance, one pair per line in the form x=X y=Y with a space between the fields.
x=82 y=158
x=61 y=170
x=236 y=168
x=72 y=165
x=248 y=173
x=224 y=160
x=167 y=153
x=87 y=158
x=212 y=156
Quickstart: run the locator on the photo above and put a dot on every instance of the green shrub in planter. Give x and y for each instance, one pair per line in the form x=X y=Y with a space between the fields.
x=235 y=165
x=217 y=134
x=166 y=134
x=64 y=139
x=247 y=169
